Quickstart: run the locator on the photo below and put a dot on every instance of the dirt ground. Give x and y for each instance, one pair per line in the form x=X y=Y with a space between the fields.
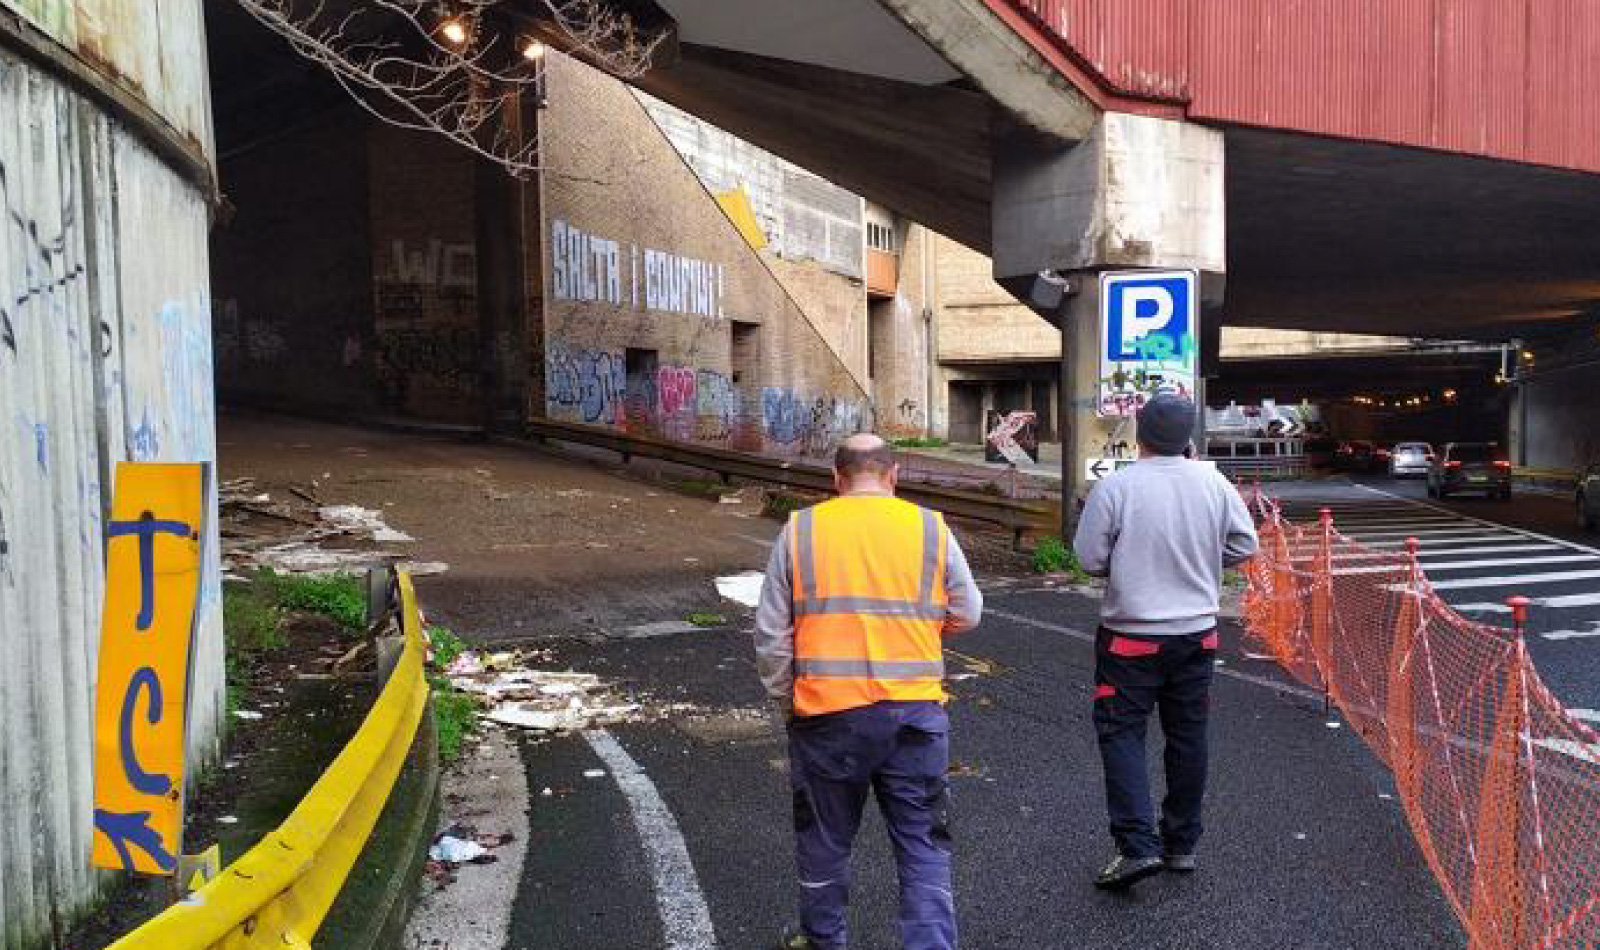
x=538 y=543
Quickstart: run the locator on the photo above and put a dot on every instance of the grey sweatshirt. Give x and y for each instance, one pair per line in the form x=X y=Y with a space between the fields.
x=774 y=637
x=1162 y=530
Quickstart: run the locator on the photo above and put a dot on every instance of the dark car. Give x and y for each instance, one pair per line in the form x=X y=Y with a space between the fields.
x=1589 y=499
x=1470 y=467
x=1354 y=456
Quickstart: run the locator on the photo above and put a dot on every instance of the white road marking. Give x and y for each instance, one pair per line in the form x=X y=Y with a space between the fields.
x=1302 y=552
x=1532 y=534
x=1558 y=603
x=1558 y=635
x=1578 y=750
x=1587 y=715
x=685 y=919
x=1514 y=580
x=1417 y=533
x=1428 y=566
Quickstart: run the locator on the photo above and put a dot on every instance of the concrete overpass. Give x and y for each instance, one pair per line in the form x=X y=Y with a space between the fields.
x=1380 y=167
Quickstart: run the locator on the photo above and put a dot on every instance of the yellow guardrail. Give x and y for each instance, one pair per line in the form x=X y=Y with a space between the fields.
x=277 y=894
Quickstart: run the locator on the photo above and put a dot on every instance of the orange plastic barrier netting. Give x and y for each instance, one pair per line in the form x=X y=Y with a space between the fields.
x=1500 y=785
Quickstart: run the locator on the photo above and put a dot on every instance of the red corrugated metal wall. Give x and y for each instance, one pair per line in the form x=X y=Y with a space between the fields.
x=1510 y=79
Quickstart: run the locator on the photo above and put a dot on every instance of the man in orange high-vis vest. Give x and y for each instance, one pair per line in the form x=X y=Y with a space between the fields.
x=859 y=594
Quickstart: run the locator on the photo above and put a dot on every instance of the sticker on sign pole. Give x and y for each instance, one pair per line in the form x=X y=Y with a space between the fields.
x=1149 y=337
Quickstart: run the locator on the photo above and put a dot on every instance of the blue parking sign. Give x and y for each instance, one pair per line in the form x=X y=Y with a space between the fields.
x=1149 y=337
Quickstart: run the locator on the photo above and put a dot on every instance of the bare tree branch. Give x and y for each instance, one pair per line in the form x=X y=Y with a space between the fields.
x=457 y=68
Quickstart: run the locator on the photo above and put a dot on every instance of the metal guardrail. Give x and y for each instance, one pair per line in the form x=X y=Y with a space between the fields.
x=277 y=894
x=1019 y=516
x=1560 y=476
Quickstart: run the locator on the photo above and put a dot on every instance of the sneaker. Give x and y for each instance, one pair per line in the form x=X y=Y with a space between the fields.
x=1180 y=863
x=1124 y=872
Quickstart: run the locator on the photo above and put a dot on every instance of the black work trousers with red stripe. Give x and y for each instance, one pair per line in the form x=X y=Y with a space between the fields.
x=1135 y=676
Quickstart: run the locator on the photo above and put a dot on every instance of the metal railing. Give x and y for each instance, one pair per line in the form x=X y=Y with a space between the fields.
x=277 y=894
x=1018 y=515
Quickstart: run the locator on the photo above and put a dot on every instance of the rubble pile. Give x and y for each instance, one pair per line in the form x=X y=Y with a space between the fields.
x=544 y=700
x=293 y=535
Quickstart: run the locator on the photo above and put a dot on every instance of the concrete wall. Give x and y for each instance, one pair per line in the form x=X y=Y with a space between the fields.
x=1556 y=418
x=105 y=355
x=1241 y=342
x=659 y=317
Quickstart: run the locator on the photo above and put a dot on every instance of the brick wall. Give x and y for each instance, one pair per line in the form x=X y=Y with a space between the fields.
x=978 y=320
x=650 y=292
x=290 y=272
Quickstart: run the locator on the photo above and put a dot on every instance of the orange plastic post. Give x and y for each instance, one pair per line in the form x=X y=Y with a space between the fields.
x=1498 y=914
x=1322 y=608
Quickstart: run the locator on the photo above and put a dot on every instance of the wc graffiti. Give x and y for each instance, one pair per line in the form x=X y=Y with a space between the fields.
x=586 y=385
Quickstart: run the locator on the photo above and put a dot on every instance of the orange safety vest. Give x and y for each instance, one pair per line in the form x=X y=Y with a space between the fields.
x=869 y=603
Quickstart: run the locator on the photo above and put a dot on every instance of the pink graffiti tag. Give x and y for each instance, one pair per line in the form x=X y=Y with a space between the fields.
x=675 y=389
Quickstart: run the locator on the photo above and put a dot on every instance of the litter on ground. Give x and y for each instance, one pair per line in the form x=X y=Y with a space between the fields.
x=544 y=700
x=742 y=588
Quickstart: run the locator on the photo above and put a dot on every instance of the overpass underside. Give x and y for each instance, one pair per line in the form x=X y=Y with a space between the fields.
x=942 y=111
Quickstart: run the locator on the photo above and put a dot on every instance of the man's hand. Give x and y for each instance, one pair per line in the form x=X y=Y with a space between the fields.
x=781 y=709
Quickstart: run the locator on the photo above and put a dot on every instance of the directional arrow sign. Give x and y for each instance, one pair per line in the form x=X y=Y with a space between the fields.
x=1096 y=469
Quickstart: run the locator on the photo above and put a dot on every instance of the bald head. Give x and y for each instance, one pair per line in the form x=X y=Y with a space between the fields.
x=864 y=462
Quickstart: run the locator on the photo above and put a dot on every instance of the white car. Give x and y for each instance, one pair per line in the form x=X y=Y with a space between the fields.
x=1411 y=460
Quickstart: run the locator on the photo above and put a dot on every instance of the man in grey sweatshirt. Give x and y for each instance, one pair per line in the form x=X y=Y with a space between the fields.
x=1162 y=531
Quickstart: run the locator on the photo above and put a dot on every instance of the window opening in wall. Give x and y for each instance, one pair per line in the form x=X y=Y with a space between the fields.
x=880 y=237
x=745 y=353
x=640 y=367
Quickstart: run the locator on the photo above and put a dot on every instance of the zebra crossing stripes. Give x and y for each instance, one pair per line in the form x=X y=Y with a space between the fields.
x=1472 y=563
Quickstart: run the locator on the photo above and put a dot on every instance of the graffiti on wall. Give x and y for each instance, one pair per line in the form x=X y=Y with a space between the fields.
x=588 y=267
x=585 y=385
x=44 y=254
x=811 y=426
x=718 y=408
x=448 y=356
x=437 y=264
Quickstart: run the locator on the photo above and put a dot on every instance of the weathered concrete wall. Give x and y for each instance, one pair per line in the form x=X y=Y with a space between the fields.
x=901 y=337
x=658 y=316
x=105 y=355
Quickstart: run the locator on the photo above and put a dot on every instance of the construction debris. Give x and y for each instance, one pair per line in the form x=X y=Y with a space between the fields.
x=544 y=700
x=288 y=535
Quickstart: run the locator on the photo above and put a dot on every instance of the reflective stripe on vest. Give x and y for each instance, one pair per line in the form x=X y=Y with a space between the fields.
x=869 y=603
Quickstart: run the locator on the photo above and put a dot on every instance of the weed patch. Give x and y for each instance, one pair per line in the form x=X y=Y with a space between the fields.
x=930 y=443
x=780 y=505
x=701 y=619
x=338 y=596
x=1052 y=556
x=446 y=646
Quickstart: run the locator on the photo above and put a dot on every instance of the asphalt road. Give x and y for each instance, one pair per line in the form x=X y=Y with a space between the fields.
x=1307 y=847
x=1477 y=552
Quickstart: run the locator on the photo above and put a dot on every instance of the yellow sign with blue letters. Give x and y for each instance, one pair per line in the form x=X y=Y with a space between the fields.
x=153 y=568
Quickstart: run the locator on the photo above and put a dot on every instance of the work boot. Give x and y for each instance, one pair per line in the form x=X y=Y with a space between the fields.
x=1180 y=863
x=1122 y=873
x=795 y=939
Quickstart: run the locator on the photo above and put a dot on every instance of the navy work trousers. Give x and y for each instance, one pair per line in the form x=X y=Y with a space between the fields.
x=899 y=752
x=1134 y=677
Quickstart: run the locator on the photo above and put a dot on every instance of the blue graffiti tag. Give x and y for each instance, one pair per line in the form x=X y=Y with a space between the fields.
x=141 y=780
x=125 y=828
x=146 y=529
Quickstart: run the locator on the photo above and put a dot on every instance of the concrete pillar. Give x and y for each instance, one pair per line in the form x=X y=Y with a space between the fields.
x=1138 y=192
